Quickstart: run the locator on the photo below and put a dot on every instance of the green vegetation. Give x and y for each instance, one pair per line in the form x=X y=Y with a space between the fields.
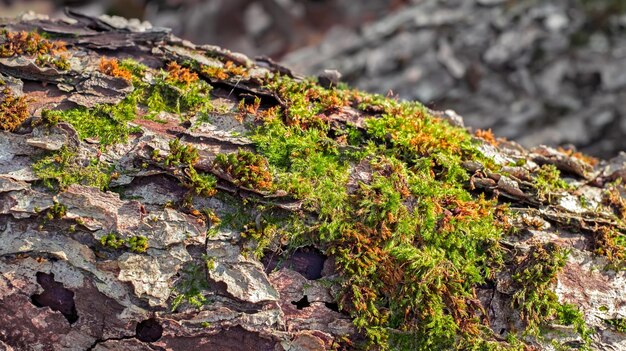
x=191 y=284
x=186 y=155
x=107 y=123
x=548 y=181
x=57 y=211
x=137 y=244
x=534 y=277
x=199 y=183
x=180 y=154
x=618 y=323
x=411 y=243
x=247 y=169
x=388 y=198
x=170 y=92
x=569 y=314
x=62 y=168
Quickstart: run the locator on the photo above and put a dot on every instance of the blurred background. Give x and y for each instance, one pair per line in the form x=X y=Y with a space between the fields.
x=537 y=71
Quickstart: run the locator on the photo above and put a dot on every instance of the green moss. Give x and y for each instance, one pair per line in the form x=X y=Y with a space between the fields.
x=190 y=287
x=137 y=244
x=110 y=123
x=534 y=277
x=57 y=211
x=548 y=181
x=180 y=154
x=245 y=168
x=618 y=323
x=112 y=241
x=61 y=62
x=411 y=243
x=60 y=169
x=200 y=183
x=107 y=123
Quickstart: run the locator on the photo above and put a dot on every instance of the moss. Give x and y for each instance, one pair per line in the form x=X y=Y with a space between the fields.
x=411 y=243
x=61 y=61
x=569 y=314
x=60 y=169
x=548 y=181
x=228 y=70
x=610 y=243
x=185 y=155
x=246 y=169
x=106 y=123
x=613 y=198
x=190 y=286
x=112 y=241
x=111 y=67
x=618 y=323
x=57 y=211
x=180 y=154
x=49 y=52
x=13 y=110
x=534 y=277
x=137 y=244
x=180 y=75
x=171 y=94
x=200 y=183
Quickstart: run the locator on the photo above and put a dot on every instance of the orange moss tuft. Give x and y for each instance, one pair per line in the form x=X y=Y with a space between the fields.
x=579 y=156
x=111 y=67
x=487 y=135
x=177 y=73
x=222 y=73
x=606 y=243
x=13 y=110
x=30 y=43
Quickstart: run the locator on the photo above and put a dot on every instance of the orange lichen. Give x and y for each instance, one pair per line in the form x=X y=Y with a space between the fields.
x=30 y=43
x=111 y=67
x=177 y=73
x=13 y=110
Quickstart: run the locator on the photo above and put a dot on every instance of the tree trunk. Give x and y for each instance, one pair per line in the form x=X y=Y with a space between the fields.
x=157 y=195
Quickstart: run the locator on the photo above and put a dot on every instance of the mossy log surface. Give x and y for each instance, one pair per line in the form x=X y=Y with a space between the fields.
x=158 y=195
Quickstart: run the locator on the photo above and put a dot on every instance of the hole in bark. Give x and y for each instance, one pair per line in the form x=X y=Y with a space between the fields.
x=332 y=306
x=149 y=330
x=502 y=331
x=302 y=303
x=307 y=261
x=55 y=296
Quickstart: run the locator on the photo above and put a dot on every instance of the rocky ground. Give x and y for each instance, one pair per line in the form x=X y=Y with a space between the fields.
x=161 y=195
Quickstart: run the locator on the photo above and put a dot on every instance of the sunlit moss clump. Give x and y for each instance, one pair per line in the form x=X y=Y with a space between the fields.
x=171 y=91
x=63 y=168
x=246 y=169
x=410 y=241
